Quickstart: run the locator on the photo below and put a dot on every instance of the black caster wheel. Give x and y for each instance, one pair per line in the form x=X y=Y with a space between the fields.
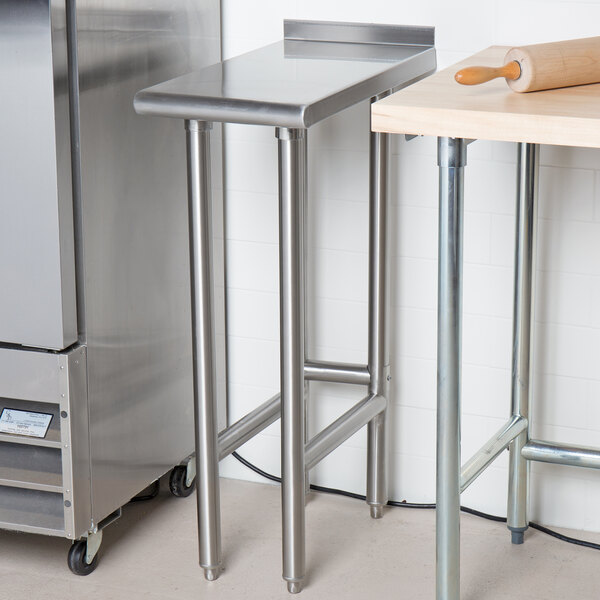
x=76 y=559
x=148 y=493
x=177 y=482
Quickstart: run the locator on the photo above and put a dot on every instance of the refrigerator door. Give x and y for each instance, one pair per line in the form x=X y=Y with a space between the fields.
x=37 y=271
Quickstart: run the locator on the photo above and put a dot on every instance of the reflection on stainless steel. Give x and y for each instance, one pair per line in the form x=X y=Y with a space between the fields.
x=359 y=33
x=484 y=457
x=336 y=372
x=379 y=299
x=562 y=454
x=292 y=202
x=37 y=303
x=203 y=345
x=237 y=434
x=342 y=428
x=284 y=85
x=94 y=249
x=157 y=37
x=136 y=279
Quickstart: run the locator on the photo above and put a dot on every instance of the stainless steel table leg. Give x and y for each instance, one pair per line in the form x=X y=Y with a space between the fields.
x=203 y=346
x=528 y=167
x=377 y=492
x=306 y=294
x=306 y=435
x=452 y=157
x=292 y=192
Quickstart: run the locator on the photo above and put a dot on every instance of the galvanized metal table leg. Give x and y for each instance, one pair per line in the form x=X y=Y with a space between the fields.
x=291 y=217
x=518 y=482
x=377 y=491
x=452 y=155
x=203 y=346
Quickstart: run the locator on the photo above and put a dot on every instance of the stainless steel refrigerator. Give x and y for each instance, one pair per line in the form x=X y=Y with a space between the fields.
x=95 y=350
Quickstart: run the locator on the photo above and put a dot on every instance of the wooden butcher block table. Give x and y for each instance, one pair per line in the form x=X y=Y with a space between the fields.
x=492 y=111
x=458 y=114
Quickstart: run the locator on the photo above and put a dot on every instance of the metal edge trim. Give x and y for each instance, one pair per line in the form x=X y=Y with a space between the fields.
x=75 y=125
x=155 y=104
x=75 y=443
x=65 y=440
x=417 y=68
x=358 y=33
x=68 y=333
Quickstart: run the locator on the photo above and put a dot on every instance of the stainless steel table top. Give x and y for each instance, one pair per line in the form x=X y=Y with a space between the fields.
x=316 y=71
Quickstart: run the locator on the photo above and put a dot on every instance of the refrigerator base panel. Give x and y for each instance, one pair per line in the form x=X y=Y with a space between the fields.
x=45 y=480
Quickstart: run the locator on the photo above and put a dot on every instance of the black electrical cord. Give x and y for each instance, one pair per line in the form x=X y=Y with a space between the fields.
x=256 y=469
x=395 y=503
x=564 y=538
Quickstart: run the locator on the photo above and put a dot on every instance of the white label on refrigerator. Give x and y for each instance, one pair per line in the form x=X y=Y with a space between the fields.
x=22 y=422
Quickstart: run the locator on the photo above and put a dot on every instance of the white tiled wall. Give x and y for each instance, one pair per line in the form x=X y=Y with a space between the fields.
x=567 y=337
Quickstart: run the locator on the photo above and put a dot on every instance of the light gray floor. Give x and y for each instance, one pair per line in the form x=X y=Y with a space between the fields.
x=151 y=553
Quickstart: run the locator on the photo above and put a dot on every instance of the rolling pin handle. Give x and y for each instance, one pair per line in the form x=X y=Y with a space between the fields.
x=476 y=75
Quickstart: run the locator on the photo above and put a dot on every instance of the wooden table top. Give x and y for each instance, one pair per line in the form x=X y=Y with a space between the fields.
x=439 y=106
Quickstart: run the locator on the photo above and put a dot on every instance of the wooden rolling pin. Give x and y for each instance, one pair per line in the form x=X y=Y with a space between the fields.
x=543 y=66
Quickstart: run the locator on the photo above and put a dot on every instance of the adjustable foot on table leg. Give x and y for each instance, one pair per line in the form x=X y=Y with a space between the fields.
x=294 y=587
x=212 y=574
x=517 y=535
x=376 y=511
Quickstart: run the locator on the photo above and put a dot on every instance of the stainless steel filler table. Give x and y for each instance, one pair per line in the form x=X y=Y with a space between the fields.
x=316 y=71
x=458 y=114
